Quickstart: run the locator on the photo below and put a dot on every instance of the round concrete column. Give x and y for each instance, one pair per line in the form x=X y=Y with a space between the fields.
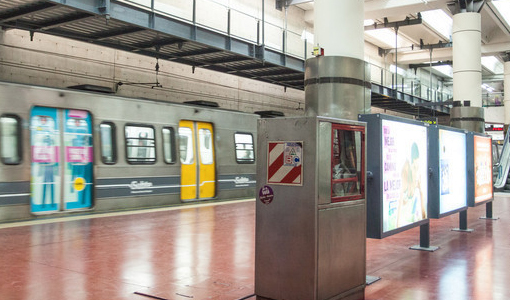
x=467 y=65
x=506 y=88
x=337 y=84
x=338 y=27
x=467 y=72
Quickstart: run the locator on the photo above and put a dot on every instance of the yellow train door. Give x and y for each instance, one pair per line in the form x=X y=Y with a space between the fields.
x=197 y=155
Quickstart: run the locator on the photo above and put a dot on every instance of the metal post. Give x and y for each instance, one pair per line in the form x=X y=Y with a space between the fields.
x=194 y=15
x=228 y=21
x=263 y=23
x=284 y=44
x=394 y=83
x=229 y=39
x=463 y=220
x=258 y=32
x=194 y=20
x=463 y=223
x=425 y=239
x=488 y=212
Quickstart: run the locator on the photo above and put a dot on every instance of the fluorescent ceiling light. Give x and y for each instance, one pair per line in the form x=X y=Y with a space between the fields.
x=503 y=6
x=368 y=22
x=445 y=70
x=492 y=64
x=387 y=37
x=440 y=21
x=488 y=88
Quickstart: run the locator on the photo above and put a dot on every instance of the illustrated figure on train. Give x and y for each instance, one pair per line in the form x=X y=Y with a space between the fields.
x=79 y=157
x=44 y=147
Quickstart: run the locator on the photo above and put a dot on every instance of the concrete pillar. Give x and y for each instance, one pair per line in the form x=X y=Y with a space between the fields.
x=467 y=72
x=506 y=91
x=467 y=53
x=338 y=84
x=338 y=27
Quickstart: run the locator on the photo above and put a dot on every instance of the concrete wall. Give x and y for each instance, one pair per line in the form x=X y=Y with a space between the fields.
x=58 y=62
x=494 y=114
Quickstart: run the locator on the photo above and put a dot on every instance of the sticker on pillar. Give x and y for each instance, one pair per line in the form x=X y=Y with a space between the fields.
x=285 y=163
x=266 y=194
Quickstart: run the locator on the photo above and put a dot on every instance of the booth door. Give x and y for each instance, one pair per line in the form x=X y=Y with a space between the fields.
x=197 y=154
x=61 y=159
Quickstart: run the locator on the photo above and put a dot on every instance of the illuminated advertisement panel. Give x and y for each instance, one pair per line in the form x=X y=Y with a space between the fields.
x=452 y=171
x=404 y=174
x=483 y=168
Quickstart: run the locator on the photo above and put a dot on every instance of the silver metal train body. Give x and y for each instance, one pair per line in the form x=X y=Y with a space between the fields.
x=65 y=151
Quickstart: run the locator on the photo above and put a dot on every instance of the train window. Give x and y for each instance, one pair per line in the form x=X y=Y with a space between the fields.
x=10 y=139
x=140 y=144
x=245 y=153
x=186 y=145
x=168 y=145
x=206 y=147
x=108 y=143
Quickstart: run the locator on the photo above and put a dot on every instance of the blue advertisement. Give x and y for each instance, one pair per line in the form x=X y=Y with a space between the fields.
x=62 y=159
x=45 y=149
x=79 y=158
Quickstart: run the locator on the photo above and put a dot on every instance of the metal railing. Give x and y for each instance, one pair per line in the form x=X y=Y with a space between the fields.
x=261 y=29
x=492 y=99
x=407 y=84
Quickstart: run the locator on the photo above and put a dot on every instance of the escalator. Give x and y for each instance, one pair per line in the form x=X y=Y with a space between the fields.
x=501 y=166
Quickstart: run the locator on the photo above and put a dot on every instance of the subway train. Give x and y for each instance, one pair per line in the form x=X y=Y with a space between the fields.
x=65 y=151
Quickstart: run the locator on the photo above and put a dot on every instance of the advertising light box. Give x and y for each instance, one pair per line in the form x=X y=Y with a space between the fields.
x=480 y=150
x=397 y=162
x=448 y=165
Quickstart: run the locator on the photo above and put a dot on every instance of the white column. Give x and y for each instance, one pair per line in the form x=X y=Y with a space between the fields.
x=506 y=88
x=467 y=53
x=338 y=27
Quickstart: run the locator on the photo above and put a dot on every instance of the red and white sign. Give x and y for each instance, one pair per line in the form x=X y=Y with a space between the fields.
x=285 y=163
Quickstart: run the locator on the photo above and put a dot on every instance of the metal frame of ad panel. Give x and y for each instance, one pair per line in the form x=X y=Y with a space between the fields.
x=479 y=167
x=447 y=157
x=397 y=172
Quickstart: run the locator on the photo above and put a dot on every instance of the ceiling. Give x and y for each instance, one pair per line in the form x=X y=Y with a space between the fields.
x=121 y=25
x=495 y=33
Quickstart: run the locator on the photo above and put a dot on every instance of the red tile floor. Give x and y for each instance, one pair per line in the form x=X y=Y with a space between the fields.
x=207 y=252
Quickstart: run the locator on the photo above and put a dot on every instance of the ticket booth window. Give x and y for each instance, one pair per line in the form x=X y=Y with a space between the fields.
x=347 y=163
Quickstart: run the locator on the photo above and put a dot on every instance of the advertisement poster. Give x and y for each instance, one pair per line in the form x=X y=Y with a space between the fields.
x=45 y=169
x=452 y=172
x=404 y=163
x=62 y=161
x=78 y=159
x=483 y=168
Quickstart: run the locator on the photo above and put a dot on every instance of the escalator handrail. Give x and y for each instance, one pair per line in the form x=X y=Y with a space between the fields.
x=503 y=164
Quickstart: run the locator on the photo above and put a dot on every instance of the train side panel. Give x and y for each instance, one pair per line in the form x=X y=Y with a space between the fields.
x=144 y=137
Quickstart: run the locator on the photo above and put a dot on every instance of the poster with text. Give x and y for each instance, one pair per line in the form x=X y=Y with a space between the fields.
x=404 y=162
x=483 y=168
x=452 y=171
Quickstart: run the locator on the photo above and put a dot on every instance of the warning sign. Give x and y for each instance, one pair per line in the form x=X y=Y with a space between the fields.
x=285 y=163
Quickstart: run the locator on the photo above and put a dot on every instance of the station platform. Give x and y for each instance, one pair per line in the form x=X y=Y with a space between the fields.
x=206 y=251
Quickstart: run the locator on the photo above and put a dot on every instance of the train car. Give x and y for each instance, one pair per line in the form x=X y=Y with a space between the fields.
x=65 y=151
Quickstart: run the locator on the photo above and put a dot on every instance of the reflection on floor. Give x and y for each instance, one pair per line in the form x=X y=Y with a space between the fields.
x=207 y=252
